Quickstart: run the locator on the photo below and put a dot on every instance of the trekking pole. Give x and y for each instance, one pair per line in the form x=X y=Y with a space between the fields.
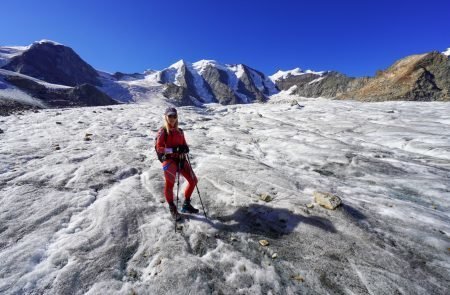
x=178 y=189
x=196 y=186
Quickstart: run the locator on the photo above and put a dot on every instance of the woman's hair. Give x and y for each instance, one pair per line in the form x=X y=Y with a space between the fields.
x=166 y=125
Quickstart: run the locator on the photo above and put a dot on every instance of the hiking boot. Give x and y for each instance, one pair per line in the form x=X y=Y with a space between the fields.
x=174 y=212
x=187 y=207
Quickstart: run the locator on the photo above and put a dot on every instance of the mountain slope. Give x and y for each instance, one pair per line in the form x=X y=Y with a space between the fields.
x=47 y=74
x=420 y=77
x=14 y=87
x=423 y=77
x=315 y=84
x=208 y=81
x=8 y=52
x=53 y=63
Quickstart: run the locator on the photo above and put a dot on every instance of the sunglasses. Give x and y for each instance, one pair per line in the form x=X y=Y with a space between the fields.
x=172 y=116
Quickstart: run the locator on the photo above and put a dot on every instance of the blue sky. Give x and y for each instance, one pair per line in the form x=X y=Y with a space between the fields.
x=353 y=37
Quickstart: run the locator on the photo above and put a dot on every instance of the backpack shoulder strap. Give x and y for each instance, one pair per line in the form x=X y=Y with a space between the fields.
x=161 y=131
x=165 y=133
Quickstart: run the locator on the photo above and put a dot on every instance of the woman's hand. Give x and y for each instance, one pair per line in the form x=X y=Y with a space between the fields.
x=181 y=149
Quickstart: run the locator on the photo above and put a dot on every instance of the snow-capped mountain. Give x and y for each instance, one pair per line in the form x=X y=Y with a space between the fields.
x=209 y=81
x=416 y=77
x=54 y=63
x=34 y=72
x=283 y=75
x=186 y=83
x=183 y=83
x=47 y=74
x=315 y=84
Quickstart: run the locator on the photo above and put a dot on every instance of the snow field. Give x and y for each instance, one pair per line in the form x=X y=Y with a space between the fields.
x=86 y=216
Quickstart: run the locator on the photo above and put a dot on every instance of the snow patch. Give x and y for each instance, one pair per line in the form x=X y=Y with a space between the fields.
x=281 y=75
x=316 y=80
x=43 y=83
x=8 y=52
x=447 y=52
x=20 y=96
x=201 y=65
x=46 y=41
x=237 y=70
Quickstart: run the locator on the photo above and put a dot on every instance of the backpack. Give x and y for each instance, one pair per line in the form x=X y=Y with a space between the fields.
x=161 y=156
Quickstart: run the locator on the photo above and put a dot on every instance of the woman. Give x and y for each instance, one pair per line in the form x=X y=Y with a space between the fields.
x=172 y=144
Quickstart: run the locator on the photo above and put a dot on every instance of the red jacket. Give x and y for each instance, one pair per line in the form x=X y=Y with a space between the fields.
x=169 y=140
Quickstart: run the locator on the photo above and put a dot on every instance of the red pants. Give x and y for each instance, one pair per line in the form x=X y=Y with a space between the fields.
x=170 y=169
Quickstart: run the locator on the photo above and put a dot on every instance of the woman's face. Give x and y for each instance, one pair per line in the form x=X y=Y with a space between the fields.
x=172 y=119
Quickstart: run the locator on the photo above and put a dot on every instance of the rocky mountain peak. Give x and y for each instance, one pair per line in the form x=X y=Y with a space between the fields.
x=209 y=81
x=415 y=77
x=54 y=63
x=205 y=63
x=179 y=64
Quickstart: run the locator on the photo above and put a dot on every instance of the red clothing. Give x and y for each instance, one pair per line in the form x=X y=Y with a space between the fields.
x=169 y=140
x=170 y=165
x=170 y=168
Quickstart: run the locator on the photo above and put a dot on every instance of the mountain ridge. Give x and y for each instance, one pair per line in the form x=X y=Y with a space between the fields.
x=426 y=77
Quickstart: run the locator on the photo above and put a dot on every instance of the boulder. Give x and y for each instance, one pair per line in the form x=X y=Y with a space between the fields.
x=298 y=278
x=327 y=200
x=265 y=197
x=264 y=243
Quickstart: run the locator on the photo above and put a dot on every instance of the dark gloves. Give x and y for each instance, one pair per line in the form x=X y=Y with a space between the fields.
x=181 y=149
x=184 y=149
